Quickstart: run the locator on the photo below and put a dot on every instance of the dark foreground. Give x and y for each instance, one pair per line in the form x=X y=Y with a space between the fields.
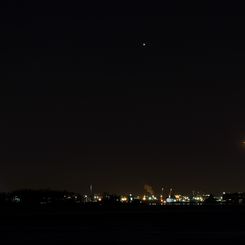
x=127 y=225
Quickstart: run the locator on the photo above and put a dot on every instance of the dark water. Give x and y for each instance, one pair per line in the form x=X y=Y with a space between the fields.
x=153 y=225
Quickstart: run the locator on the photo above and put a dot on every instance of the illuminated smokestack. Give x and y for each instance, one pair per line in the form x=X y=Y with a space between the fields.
x=170 y=192
x=91 y=193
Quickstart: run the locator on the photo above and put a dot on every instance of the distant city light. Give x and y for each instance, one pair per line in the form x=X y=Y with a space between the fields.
x=195 y=198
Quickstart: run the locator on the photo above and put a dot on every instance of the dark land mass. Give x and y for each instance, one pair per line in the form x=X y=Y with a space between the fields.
x=123 y=225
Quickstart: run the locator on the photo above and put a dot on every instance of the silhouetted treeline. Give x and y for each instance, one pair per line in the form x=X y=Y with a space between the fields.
x=234 y=198
x=26 y=197
x=110 y=199
x=210 y=200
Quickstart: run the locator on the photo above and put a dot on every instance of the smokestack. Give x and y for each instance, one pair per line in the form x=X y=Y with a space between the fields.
x=170 y=192
x=91 y=193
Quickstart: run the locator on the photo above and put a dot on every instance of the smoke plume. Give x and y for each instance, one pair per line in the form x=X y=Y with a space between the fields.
x=148 y=189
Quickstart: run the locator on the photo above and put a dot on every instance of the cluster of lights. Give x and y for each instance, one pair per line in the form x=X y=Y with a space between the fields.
x=149 y=198
x=97 y=198
x=198 y=198
x=152 y=199
x=124 y=199
x=181 y=198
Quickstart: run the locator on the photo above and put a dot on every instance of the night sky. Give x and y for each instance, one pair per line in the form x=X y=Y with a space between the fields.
x=122 y=95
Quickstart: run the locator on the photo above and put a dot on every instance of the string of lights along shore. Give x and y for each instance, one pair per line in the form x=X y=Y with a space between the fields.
x=46 y=197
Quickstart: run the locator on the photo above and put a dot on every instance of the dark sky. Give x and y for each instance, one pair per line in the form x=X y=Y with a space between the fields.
x=84 y=101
